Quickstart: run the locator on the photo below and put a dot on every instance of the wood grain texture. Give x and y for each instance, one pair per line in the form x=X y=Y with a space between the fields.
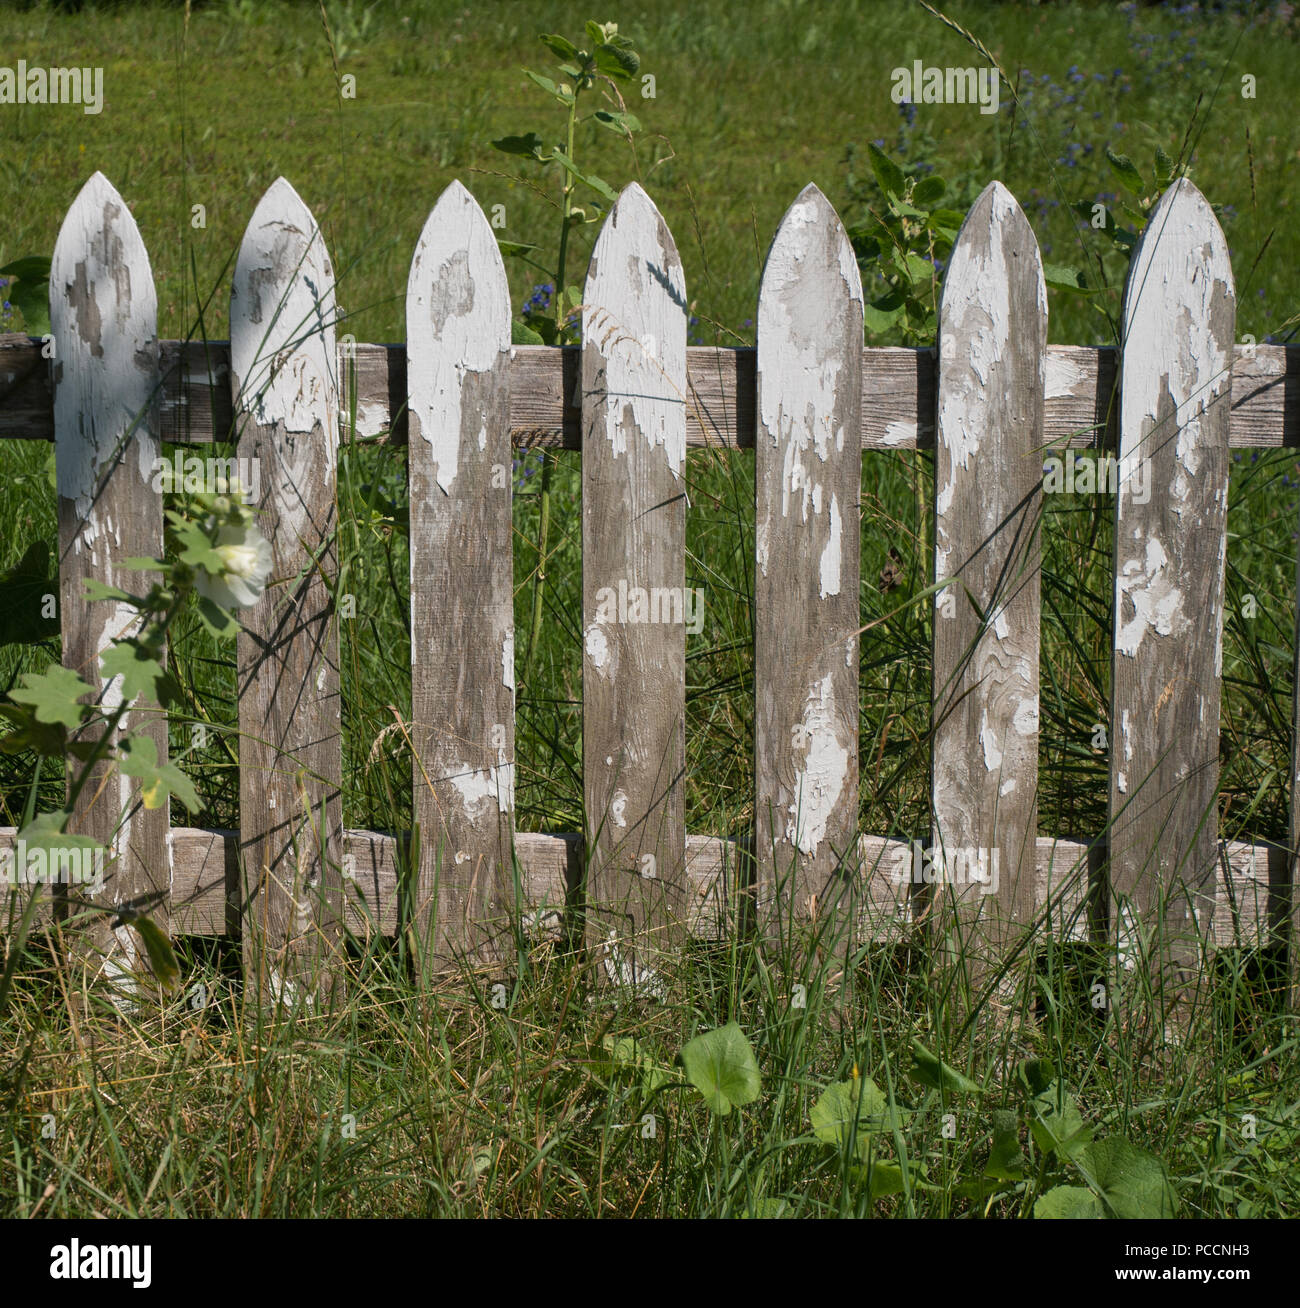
x=285 y=393
x=462 y=601
x=633 y=593
x=103 y=316
x=808 y=477
x=898 y=386
x=988 y=509
x=1169 y=579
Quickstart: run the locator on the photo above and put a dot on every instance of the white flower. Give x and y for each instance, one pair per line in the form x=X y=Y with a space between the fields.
x=246 y=557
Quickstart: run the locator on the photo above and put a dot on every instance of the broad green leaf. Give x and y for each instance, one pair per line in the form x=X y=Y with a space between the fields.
x=597 y=184
x=559 y=46
x=620 y=123
x=617 y=61
x=30 y=293
x=522 y=334
x=883 y=313
x=1131 y=1181
x=888 y=173
x=1056 y=1123
x=1064 y=278
x=53 y=694
x=140 y=760
x=931 y=1071
x=1123 y=168
x=48 y=739
x=928 y=191
x=162 y=958
x=1006 y=1159
x=912 y=266
x=721 y=1066
x=849 y=1109
x=1164 y=167
x=217 y=621
x=626 y=1053
x=1068 y=1201
x=1036 y=1075
x=562 y=93
x=97 y=590
x=516 y=247
x=141 y=673
x=768 y=1208
x=23 y=589
x=530 y=145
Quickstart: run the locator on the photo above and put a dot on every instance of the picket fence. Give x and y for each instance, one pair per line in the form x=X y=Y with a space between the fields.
x=991 y=401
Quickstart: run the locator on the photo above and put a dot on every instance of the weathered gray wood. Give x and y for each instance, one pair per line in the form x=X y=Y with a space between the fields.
x=103 y=316
x=633 y=547
x=285 y=389
x=808 y=475
x=462 y=602
x=898 y=389
x=1179 y=313
x=988 y=508
x=205 y=880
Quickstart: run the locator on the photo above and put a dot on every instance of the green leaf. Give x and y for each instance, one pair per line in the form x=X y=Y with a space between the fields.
x=522 y=334
x=530 y=145
x=562 y=93
x=623 y=1052
x=141 y=673
x=913 y=267
x=140 y=760
x=559 y=46
x=1006 y=1159
x=162 y=958
x=48 y=739
x=928 y=191
x=617 y=60
x=721 y=1066
x=46 y=831
x=1123 y=168
x=885 y=1179
x=23 y=589
x=1131 y=1181
x=30 y=293
x=516 y=247
x=98 y=590
x=1036 y=1075
x=1068 y=1201
x=596 y=184
x=849 y=1109
x=217 y=620
x=1164 y=167
x=882 y=314
x=1056 y=1123
x=768 y=1209
x=620 y=123
x=53 y=694
x=931 y=1071
x=888 y=173
x=1064 y=278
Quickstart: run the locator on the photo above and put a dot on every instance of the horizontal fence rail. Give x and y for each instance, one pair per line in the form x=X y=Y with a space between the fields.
x=991 y=400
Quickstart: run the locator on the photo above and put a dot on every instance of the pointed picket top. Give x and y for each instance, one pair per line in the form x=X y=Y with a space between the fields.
x=457 y=320
x=808 y=523
x=1182 y=246
x=635 y=265
x=103 y=317
x=282 y=317
x=992 y=332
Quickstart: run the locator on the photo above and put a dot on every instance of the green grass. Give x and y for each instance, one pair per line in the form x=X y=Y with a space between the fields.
x=462 y=1108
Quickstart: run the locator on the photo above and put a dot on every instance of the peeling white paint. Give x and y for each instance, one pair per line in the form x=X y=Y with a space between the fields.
x=989 y=743
x=1157 y=603
x=820 y=779
x=899 y=432
x=599 y=653
x=1007 y=786
x=618 y=808
x=628 y=972
x=457 y=321
x=478 y=788
x=830 y=560
x=282 y=317
x=1025 y=720
x=1063 y=376
x=508 y=661
x=104 y=315
x=639 y=331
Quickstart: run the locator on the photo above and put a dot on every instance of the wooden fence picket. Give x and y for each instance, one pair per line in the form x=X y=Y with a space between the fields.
x=1170 y=547
x=808 y=476
x=988 y=508
x=462 y=602
x=284 y=382
x=103 y=319
x=633 y=592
